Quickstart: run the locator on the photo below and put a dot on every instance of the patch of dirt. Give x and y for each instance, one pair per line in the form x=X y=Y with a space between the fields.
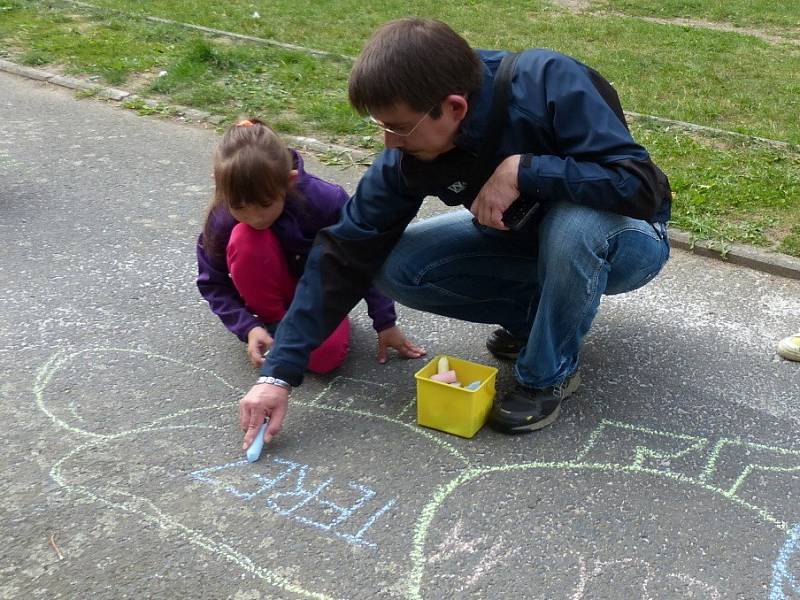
x=226 y=41
x=15 y=56
x=136 y=82
x=579 y=6
x=710 y=141
x=776 y=235
x=713 y=25
x=79 y=23
x=573 y=6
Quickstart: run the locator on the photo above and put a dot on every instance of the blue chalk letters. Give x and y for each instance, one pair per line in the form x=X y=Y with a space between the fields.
x=307 y=504
x=783 y=573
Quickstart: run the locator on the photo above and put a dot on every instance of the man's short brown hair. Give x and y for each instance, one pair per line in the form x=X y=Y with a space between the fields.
x=418 y=62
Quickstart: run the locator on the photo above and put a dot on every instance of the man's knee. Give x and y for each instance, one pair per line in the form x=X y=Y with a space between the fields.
x=572 y=237
x=568 y=225
x=577 y=241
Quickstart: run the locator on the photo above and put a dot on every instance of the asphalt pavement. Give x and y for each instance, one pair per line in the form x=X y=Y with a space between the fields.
x=673 y=473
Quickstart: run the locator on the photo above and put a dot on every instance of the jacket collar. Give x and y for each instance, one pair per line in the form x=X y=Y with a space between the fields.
x=473 y=128
x=297 y=162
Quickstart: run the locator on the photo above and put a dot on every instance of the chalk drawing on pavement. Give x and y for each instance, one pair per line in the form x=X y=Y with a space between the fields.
x=786 y=570
x=463 y=546
x=583 y=589
x=613 y=447
x=301 y=497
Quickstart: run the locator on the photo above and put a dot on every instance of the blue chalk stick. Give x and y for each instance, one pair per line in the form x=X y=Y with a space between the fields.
x=474 y=386
x=254 y=451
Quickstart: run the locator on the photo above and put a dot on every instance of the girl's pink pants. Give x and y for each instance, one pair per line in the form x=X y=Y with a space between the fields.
x=261 y=275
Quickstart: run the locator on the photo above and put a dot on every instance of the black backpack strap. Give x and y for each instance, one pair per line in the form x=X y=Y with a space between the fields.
x=608 y=93
x=498 y=116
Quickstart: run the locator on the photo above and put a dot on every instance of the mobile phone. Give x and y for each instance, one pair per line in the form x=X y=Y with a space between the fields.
x=519 y=214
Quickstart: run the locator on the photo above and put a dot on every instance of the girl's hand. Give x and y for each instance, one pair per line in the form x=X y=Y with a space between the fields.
x=258 y=341
x=394 y=338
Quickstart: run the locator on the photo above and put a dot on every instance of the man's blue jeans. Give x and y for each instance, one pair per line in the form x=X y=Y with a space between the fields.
x=546 y=290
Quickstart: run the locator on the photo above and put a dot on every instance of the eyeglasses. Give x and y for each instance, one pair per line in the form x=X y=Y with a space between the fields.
x=377 y=123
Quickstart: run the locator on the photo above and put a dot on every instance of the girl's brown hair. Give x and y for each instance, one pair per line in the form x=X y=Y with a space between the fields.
x=251 y=167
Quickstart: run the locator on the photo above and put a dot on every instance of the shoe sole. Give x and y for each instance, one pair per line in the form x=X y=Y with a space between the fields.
x=549 y=418
x=788 y=351
x=538 y=425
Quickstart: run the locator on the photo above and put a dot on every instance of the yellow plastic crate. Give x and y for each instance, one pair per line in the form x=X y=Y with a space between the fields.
x=453 y=409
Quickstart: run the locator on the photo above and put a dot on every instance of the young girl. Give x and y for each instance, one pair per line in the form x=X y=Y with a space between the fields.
x=262 y=221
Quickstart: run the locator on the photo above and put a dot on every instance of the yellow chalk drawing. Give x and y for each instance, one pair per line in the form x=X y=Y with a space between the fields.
x=750 y=467
x=144 y=508
x=421 y=530
x=148 y=512
x=641 y=453
x=636 y=463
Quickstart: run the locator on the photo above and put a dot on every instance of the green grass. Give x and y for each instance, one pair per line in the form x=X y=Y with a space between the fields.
x=726 y=189
x=711 y=78
x=295 y=91
x=112 y=48
x=729 y=190
x=289 y=88
x=783 y=16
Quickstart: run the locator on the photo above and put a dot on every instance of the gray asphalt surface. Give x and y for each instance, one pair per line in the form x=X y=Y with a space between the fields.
x=674 y=472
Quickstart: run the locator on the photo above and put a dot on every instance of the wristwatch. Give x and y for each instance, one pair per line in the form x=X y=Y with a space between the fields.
x=275 y=381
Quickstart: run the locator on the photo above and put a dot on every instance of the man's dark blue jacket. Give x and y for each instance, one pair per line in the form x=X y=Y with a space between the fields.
x=561 y=114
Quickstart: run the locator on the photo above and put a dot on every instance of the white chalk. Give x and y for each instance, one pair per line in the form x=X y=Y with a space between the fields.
x=254 y=451
x=443 y=366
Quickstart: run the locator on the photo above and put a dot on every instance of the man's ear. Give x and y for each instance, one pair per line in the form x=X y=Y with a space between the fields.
x=456 y=105
x=293 y=176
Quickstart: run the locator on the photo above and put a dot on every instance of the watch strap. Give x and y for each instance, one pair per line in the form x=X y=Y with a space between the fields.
x=274 y=381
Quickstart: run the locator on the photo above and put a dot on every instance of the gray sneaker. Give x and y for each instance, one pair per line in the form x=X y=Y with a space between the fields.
x=525 y=409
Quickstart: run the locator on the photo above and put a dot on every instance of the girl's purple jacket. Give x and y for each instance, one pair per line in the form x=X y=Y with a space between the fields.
x=316 y=204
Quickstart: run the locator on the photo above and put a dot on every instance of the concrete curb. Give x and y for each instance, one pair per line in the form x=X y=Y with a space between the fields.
x=99 y=91
x=737 y=254
x=67 y=82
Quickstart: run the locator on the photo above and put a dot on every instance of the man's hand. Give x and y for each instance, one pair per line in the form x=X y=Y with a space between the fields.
x=394 y=338
x=497 y=194
x=258 y=341
x=263 y=400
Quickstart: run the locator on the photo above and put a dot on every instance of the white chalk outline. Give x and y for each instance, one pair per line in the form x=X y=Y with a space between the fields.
x=422 y=526
x=60 y=359
x=641 y=452
x=583 y=577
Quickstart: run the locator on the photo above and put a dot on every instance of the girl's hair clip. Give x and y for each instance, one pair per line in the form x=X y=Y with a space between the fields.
x=244 y=123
